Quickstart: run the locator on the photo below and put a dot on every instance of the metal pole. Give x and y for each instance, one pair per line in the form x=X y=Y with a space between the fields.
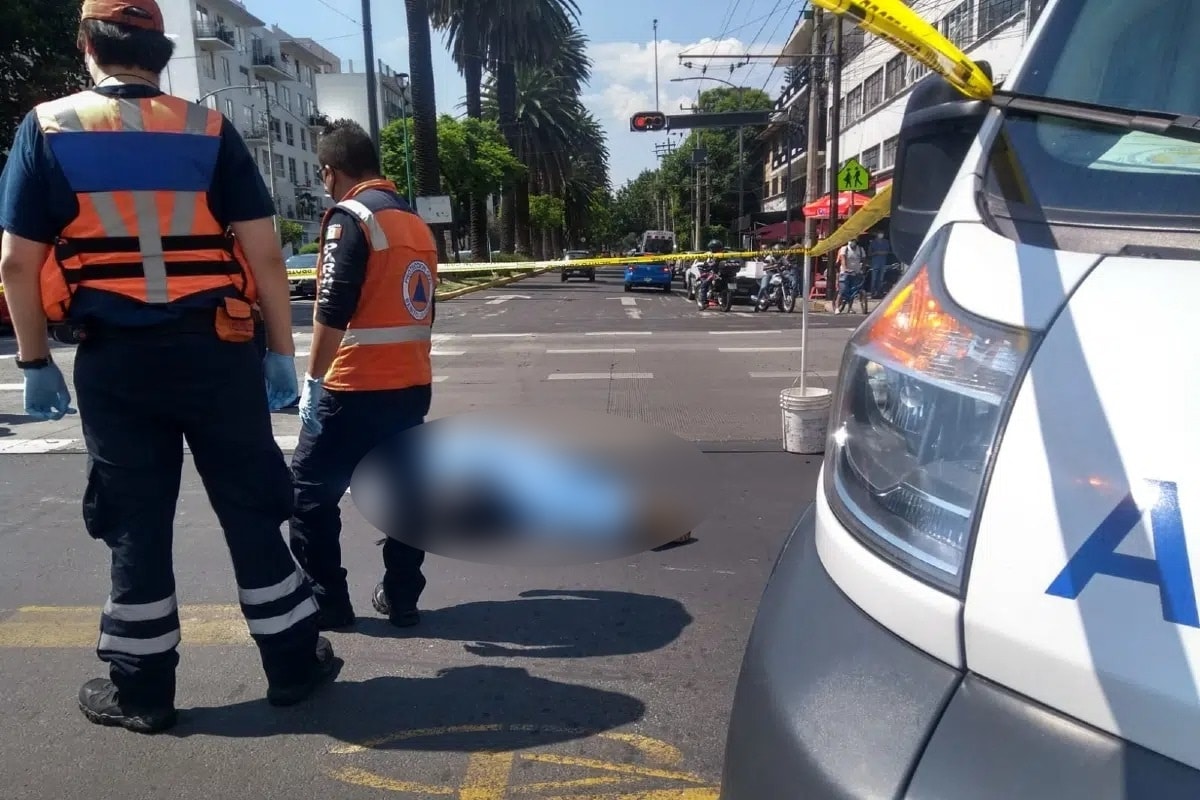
x=656 y=105
x=810 y=189
x=407 y=149
x=834 y=161
x=696 y=168
x=372 y=90
x=271 y=164
x=741 y=180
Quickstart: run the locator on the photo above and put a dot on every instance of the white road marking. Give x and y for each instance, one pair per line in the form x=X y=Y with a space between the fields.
x=448 y=352
x=37 y=446
x=620 y=333
x=792 y=375
x=760 y=349
x=581 y=350
x=502 y=335
x=302 y=353
x=600 y=376
x=11 y=387
x=739 y=333
x=439 y=378
x=9 y=355
x=628 y=301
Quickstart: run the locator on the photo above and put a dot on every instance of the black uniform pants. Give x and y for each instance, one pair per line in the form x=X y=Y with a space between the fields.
x=353 y=425
x=140 y=395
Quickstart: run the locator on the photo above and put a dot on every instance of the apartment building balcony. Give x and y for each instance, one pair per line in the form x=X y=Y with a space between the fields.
x=255 y=136
x=213 y=37
x=269 y=66
x=317 y=121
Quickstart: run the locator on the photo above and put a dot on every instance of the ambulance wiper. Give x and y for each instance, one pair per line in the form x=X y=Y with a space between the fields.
x=1163 y=123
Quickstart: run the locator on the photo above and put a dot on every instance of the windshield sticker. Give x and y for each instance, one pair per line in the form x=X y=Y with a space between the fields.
x=1150 y=153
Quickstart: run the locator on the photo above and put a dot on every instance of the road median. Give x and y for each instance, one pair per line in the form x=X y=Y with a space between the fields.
x=460 y=288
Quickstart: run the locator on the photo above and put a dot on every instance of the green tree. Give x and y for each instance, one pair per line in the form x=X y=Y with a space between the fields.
x=391 y=153
x=493 y=167
x=546 y=212
x=38 y=59
x=310 y=249
x=424 y=105
x=725 y=176
x=290 y=232
x=634 y=209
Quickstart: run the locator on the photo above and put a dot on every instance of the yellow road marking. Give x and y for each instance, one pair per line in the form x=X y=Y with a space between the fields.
x=628 y=769
x=79 y=626
x=487 y=776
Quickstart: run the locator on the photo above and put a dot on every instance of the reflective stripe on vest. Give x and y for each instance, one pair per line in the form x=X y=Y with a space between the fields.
x=388 y=342
x=140 y=170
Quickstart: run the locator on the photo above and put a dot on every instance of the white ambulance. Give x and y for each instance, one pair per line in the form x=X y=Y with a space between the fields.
x=993 y=596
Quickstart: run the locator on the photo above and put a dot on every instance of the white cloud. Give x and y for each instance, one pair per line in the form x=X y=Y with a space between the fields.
x=623 y=84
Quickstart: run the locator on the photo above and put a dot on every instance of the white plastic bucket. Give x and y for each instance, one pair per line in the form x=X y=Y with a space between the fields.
x=805 y=418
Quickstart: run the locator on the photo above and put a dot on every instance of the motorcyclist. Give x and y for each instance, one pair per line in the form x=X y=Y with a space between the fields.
x=709 y=268
x=776 y=261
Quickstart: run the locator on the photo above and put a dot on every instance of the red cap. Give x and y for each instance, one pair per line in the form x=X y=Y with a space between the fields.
x=136 y=13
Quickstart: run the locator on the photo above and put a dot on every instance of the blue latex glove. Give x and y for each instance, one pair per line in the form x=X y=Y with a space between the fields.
x=46 y=393
x=309 y=399
x=282 y=390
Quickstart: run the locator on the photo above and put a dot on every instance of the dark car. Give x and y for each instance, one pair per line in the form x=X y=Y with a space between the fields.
x=583 y=272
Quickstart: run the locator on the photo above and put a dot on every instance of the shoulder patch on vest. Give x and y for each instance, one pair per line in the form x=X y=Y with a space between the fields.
x=418 y=290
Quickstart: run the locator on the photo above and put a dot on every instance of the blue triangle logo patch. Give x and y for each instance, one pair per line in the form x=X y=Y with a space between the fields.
x=419 y=293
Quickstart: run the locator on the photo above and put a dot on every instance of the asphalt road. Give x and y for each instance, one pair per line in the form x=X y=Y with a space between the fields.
x=609 y=680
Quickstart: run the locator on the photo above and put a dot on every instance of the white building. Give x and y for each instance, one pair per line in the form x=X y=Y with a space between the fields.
x=344 y=95
x=229 y=59
x=876 y=79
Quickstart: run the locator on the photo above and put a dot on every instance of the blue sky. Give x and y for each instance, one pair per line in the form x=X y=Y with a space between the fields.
x=622 y=47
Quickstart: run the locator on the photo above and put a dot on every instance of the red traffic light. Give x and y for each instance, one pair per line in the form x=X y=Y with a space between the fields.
x=648 y=121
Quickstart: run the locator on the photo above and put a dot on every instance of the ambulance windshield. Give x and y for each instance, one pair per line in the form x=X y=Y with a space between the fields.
x=1138 y=54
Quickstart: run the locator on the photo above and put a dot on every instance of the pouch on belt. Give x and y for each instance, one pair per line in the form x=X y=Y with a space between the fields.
x=235 y=321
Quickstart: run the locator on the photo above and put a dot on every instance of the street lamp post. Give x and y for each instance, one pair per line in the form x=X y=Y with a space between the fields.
x=404 y=125
x=741 y=139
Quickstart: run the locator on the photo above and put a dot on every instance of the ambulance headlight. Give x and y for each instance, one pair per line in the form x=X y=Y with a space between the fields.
x=923 y=388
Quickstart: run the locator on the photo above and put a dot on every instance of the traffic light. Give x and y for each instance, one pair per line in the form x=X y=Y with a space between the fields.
x=648 y=121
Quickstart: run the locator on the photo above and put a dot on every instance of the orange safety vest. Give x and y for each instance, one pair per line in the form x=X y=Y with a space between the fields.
x=140 y=169
x=387 y=343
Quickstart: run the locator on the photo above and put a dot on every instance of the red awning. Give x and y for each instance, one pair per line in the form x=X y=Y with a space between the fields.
x=777 y=231
x=848 y=203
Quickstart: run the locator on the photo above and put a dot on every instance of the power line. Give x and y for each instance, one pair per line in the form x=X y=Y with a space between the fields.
x=338 y=11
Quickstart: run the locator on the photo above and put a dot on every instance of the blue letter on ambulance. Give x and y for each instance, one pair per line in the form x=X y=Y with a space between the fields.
x=1169 y=570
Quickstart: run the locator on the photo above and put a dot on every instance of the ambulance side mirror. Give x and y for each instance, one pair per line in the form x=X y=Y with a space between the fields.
x=939 y=127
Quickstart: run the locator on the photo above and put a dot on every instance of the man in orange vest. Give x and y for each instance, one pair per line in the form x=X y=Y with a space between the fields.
x=369 y=373
x=119 y=206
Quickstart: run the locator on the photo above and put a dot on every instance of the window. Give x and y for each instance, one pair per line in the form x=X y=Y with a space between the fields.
x=873 y=90
x=303 y=139
x=994 y=13
x=916 y=70
x=894 y=80
x=307 y=180
x=275 y=130
x=291 y=134
x=229 y=109
x=278 y=164
x=208 y=66
x=292 y=170
x=202 y=15
x=889 y=152
x=247 y=117
x=287 y=97
x=211 y=101
x=870 y=159
x=225 y=71
x=854 y=105
x=956 y=26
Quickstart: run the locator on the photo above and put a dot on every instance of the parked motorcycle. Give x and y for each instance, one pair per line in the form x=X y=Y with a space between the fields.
x=719 y=276
x=781 y=292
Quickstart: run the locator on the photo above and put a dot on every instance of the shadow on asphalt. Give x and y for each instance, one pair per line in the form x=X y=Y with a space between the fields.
x=550 y=624
x=512 y=707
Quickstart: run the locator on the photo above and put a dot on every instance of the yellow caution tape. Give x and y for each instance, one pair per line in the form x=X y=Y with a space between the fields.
x=905 y=29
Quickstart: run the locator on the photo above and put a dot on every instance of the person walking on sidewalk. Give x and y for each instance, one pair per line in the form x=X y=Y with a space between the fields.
x=116 y=205
x=369 y=370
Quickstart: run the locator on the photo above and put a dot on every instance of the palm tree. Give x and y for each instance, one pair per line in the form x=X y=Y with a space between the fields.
x=521 y=33
x=549 y=122
x=426 y=166
x=465 y=23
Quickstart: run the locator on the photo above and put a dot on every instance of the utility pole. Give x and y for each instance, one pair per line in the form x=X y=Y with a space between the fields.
x=833 y=163
x=815 y=95
x=372 y=89
x=656 y=105
x=696 y=155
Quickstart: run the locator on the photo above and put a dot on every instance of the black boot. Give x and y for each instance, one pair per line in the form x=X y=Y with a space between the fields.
x=335 y=616
x=324 y=670
x=401 y=617
x=100 y=702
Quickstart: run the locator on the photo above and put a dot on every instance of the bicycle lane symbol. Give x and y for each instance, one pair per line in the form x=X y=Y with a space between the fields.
x=653 y=773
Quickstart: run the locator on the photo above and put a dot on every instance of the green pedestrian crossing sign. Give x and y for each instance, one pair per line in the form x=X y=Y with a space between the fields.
x=853 y=177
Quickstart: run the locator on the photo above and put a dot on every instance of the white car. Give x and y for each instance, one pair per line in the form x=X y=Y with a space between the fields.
x=994 y=593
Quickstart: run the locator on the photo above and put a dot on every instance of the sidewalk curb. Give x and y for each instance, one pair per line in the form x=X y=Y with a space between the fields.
x=491 y=284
